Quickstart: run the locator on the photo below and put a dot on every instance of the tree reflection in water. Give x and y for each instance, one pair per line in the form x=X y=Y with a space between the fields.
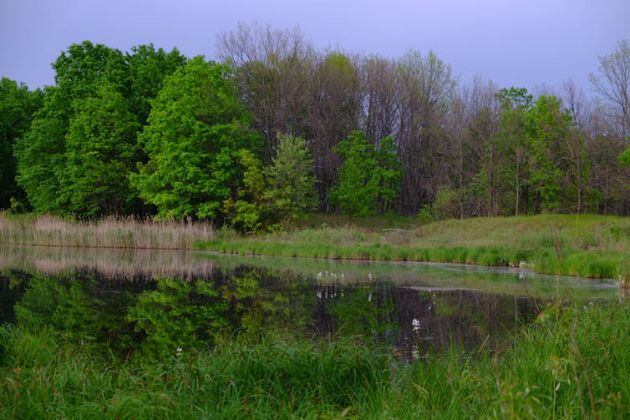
x=161 y=316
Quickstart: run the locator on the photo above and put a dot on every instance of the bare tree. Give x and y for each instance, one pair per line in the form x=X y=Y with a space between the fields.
x=613 y=82
x=380 y=108
x=274 y=70
x=334 y=111
x=425 y=86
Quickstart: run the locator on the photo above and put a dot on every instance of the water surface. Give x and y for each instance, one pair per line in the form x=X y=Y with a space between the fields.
x=162 y=302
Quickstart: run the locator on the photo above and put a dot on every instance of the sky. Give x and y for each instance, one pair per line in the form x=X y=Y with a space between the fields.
x=529 y=43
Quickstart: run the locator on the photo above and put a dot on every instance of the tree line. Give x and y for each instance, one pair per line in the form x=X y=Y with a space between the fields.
x=277 y=128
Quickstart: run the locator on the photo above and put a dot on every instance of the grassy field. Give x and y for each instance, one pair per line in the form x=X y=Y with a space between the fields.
x=571 y=363
x=586 y=245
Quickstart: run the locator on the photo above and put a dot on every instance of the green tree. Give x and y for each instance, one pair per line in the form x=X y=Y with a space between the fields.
x=368 y=176
x=390 y=173
x=148 y=69
x=248 y=210
x=17 y=107
x=280 y=192
x=290 y=180
x=101 y=152
x=41 y=152
x=193 y=137
x=624 y=158
x=40 y=155
x=548 y=126
x=514 y=104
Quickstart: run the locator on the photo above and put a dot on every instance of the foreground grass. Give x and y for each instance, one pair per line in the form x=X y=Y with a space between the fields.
x=570 y=364
x=585 y=245
x=106 y=233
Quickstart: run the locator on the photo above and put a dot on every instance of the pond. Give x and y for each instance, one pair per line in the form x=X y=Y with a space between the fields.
x=162 y=302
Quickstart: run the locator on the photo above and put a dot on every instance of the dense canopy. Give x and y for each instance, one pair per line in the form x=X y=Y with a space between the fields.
x=278 y=129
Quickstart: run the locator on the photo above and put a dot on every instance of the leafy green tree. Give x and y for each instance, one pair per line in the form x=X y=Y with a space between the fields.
x=290 y=180
x=148 y=69
x=548 y=126
x=390 y=173
x=624 y=158
x=193 y=137
x=82 y=67
x=101 y=153
x=41 y=152
x=280 y=192
x=367 y=176
x=17 y=107
x=40 y=155
x=514 y=104
x=248 y=210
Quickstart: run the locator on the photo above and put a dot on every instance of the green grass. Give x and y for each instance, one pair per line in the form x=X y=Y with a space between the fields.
x=572 y=363
x=586 y=245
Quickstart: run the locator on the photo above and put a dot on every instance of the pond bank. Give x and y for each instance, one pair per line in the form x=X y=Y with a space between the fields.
x=583 y=246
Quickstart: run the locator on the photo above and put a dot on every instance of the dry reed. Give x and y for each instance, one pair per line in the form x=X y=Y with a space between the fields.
x=128 y=233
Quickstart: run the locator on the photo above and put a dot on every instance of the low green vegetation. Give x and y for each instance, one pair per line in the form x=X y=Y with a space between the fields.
x=585 y=245
x=569 y=364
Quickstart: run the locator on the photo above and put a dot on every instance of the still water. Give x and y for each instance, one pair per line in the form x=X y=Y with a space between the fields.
x=161 y=302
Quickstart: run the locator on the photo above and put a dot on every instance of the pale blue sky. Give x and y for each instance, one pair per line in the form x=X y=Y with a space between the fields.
x=520 y=43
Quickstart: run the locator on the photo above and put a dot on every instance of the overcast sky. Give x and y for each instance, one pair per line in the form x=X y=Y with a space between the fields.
x=515 y=43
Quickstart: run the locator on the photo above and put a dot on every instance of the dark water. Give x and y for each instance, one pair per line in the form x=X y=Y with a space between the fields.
x=159 y=302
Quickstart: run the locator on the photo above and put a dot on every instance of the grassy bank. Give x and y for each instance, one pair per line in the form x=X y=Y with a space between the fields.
x=585 y=246
x=569 y=364
x=107 y=233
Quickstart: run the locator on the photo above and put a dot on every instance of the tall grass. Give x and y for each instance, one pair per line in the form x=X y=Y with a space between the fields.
x=571 y=364
x=126 y=233
x=585 y=246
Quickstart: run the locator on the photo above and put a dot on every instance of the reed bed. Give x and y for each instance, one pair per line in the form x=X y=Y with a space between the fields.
x=125 y=233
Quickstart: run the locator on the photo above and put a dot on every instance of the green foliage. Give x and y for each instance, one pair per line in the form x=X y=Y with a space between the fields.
x=569 y=364
x=193 y=137
x=81 y=146
x=248 y=211
x=549 y=127
x=281 y=192
x=290 y=180
x=446 y=204
x=368 y=176
x=101 y=152
x=147 y=73
x=17 y=106
x=41 y=156
x=82 y=67
x=624 y=158
x=426 y=215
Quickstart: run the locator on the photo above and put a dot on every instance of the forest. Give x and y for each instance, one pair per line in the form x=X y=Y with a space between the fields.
x=277 y=128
